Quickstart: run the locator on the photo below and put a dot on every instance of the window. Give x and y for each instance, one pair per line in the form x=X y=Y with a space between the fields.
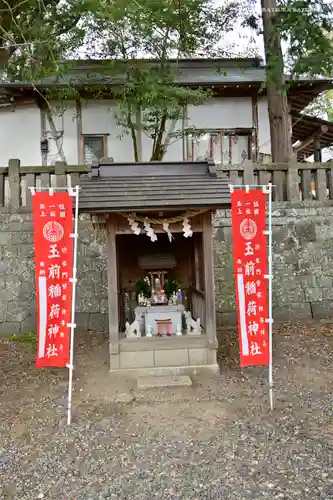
x=93 y=148
x=223 y=146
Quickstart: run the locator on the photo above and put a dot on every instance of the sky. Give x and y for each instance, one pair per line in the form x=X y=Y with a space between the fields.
x=244 y=41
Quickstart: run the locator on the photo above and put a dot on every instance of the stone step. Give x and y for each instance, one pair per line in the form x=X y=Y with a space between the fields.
x=166 y=381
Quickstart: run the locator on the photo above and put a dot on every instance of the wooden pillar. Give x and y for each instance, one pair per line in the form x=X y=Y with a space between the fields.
x=60 y=173
x=317 y=150
x=14 y=180
x=255 y=130
x=78 y=112
x=112 y=287
x=208 y=260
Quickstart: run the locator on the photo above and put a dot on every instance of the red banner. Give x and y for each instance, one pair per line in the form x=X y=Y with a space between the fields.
x=250 y=264
x=54 y=265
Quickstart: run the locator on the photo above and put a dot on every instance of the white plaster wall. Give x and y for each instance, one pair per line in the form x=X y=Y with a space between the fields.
x=20 y=135
x=264 y=141
x=20 y=131
x=225 y=112
x=99 y=118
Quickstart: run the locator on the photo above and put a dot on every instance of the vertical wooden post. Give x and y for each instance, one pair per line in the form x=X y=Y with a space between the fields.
x=112 y=286
x=255 y=131
x=139 y=134
x=248 y=173
x=306 y=184
x=292 y=182
x=263 y=176
x=30 y=181
x=317 y=150
x=60 y=172
x=43 y=132
x=78 y=111
x=321 y=184
x=196 y=263
x=14 y=184
x=278 y=180
x=208 y=259
x=2 y=190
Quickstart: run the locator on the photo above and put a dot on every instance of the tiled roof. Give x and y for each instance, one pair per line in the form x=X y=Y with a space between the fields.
x=126 y=187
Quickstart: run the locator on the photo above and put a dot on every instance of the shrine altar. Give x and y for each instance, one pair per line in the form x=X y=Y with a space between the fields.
x=154 y=319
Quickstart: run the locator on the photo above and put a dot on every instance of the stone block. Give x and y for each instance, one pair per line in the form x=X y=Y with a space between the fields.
x=293 y=312
x=82 y=321
x=96 y=322
x=88 y=302
x=327 y=293
x=323 y=309
x=198 y=356
x=9 y=328
x=22 y=238
x=174 y=357
x=324 y=281
x=5 y=238
x=313 y=294
x=139 y=359
x=114 y=362
x=18 y=311
x=161 y=382
x=3 y=309
x=104 y=306
x=25 y=251
x=226 y=318
x=29 y=324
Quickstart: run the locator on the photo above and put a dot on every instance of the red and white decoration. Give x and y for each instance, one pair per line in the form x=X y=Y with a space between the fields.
x=53 y=232
x=250 y=264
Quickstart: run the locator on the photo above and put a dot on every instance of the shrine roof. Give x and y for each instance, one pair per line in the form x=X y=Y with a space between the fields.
x=123 y=187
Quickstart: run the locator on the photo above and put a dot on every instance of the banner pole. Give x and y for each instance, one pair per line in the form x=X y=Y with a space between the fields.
x=74 y=193
x=270 y=297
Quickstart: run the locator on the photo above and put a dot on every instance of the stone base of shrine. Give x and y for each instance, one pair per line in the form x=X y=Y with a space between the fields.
x=176 y=356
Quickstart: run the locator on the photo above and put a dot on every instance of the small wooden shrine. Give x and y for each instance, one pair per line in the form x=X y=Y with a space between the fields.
x=158 y=220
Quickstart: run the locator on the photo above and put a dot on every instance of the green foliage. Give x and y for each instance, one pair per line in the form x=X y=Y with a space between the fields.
x=29 y=339
x=171 y=286
x=168 y=31
x=36 y=35
x=306 y=27
x=142 y=286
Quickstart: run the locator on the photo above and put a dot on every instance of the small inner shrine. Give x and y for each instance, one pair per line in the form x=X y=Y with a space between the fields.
x=158 y=222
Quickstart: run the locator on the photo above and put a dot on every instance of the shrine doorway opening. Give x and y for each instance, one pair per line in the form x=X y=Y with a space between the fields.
x=181 y=260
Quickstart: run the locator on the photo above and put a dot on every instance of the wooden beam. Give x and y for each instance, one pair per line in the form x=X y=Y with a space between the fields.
x=323 y=129
x=112 y=287
x=208 y=261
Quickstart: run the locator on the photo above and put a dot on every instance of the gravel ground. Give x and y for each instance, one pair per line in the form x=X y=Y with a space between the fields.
x=217 y=440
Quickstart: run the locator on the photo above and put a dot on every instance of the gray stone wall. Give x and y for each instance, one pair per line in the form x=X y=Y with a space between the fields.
x=17 y=279
x=302 y=262
x=303 y=269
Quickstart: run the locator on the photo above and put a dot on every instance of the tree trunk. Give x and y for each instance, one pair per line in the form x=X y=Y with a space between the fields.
x=158 y=147
x=281 y=146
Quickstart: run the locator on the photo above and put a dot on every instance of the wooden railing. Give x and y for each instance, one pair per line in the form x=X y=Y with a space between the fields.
x=293 y=181
x=15 y=181
x=198 y=308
